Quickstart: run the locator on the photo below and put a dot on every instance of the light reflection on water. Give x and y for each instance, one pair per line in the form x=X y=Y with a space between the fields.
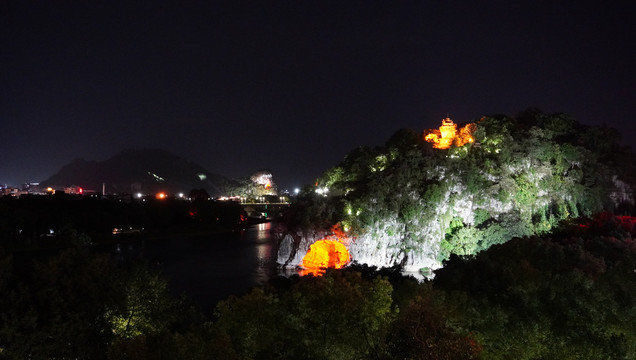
x=263 y=231
x=264 y=247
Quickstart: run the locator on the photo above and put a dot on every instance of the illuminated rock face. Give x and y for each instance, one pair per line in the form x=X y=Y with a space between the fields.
x=285 y=249
x=415 y=244
x=293 y=247
x=418 y=207
x=386 y=251
x=389 y=242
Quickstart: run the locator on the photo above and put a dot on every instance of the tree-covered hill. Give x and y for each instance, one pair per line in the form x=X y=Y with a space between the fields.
x=408 y=203
x=139 y=170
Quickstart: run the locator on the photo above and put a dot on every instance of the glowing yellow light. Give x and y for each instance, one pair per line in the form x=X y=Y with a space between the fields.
x=448 y=135
x=161 y=195
x=326 y=254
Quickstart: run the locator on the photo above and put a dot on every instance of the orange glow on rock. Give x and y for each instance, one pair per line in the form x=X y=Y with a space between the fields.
x=340 y=234
x=448 y=135
x=325 y=254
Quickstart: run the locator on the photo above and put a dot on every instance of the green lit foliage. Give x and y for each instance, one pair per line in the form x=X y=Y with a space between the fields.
x=495 y=138
x=145 y=308
x=333 y=176
x=79 y=305
x=522 y=176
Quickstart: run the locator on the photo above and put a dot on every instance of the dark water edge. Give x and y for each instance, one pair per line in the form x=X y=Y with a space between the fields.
x=208 y=268
x=205 y=268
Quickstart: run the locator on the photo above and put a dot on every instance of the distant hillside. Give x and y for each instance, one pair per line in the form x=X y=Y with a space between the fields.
x=138 y=170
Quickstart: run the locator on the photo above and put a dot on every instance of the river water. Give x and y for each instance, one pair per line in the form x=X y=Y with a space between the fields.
x=209 y=268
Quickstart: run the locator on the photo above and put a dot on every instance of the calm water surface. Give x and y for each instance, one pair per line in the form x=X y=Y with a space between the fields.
x=209 y=268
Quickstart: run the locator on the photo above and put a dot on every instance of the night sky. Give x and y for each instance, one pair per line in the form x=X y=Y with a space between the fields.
x=293 y=86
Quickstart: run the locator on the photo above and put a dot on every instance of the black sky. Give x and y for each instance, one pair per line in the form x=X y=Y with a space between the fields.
x=293 y=86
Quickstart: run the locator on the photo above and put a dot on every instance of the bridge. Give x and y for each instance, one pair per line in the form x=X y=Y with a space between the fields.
x=265 y=210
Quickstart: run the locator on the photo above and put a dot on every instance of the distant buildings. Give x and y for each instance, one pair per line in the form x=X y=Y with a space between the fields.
x=36 y=189
x=11 y=191
x=26 y=188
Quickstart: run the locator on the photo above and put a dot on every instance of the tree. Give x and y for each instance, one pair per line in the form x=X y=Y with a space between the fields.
x=336 y=316
x=57 y=311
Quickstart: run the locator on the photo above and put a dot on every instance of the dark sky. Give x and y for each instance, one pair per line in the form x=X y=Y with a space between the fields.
x=293 y=86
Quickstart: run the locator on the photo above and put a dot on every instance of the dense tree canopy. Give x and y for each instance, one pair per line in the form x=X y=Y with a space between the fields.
x=569 y=295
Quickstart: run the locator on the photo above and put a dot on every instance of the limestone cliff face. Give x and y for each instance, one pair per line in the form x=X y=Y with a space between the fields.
x=414 y=206
x=292 y=248
x=420 y=241
x=390 y=241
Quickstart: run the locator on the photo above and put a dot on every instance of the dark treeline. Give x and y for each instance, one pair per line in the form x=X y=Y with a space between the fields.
x=569 y=295
x=61 y=220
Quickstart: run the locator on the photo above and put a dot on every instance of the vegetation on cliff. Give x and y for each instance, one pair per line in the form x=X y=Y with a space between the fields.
x=514 y=176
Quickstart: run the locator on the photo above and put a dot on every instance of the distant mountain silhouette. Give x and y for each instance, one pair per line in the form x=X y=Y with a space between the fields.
x=139 y=170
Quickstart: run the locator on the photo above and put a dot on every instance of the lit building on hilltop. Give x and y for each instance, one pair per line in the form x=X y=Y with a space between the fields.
x=448 y=135
x=263 y=180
